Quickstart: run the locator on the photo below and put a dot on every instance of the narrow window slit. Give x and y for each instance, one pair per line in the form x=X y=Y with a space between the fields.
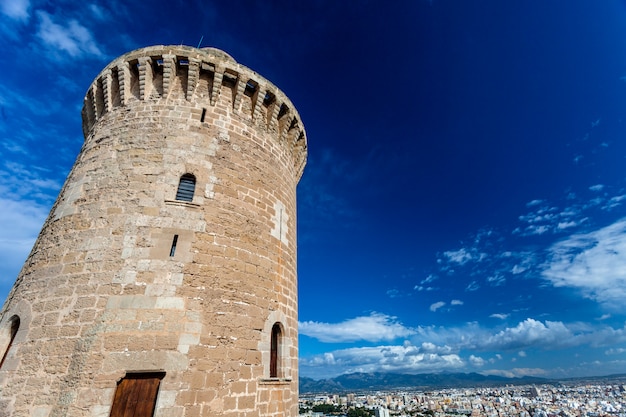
x=275 y=342
x=173 y=248
x=203 y=115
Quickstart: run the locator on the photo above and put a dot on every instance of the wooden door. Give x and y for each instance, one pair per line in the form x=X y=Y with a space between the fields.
x=136 y=395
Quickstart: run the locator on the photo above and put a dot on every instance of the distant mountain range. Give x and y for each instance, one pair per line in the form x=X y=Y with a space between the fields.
x=385 y=381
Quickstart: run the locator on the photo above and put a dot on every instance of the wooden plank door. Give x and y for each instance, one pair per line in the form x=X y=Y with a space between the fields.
x=136 y=395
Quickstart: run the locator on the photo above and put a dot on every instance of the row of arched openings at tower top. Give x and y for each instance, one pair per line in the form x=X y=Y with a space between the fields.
x=7 y=337
x=143 y=79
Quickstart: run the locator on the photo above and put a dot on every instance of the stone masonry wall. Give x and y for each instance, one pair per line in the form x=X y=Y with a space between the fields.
x=100 y=296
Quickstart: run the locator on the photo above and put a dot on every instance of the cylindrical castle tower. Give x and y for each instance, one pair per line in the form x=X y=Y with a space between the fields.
x=165 y=275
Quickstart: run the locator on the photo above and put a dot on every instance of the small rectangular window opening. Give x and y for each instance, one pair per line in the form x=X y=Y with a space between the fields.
x=250 y=89
x=283 y=110
x=203 y=115
x=173 y=248
x=228 y=80
x=268 y=99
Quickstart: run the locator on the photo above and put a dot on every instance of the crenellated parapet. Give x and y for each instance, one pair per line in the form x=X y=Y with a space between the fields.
x=202 y=77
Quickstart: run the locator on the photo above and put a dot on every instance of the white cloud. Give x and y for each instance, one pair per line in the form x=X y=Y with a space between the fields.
x=476 y=361
x=372 y=328
x=460 y=257
x=527 y=334
x=393 y=293
x=536 y=230
x=472 y=286
x=456 y=302
x=406 y=358
x=567 y=225
x=70 y=37
x=97 y=11
x=517 y=372
x=429 y=347
x=518 y=269
x=597 y=187
x=499 y=316
x=15 y=9
x=428 y=279
x=530 y=332
x=594 y=263
x=436 y=306
x=433 y=348
x=613 y=202
x=496 y=280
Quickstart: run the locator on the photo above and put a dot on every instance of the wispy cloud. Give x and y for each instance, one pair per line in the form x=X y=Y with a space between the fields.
x=594 y=263
x=588 y=261
x=373 y=328
x=15 y=9
x=422 y=285
x=69 y=37
x=517 y=372
x=460 y=257
x=436 y=306
x=550 y=219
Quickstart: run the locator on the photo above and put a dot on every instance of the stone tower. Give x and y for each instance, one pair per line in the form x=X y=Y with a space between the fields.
x=165 y=275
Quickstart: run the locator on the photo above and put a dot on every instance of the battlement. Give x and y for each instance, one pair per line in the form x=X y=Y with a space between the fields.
x=168 y=73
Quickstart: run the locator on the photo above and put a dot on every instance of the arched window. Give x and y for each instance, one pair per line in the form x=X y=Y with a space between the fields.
x=275 y=350
x=186 y=188
x=13 y=328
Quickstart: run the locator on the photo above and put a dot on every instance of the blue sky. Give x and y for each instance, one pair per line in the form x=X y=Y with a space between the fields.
x=464 y=204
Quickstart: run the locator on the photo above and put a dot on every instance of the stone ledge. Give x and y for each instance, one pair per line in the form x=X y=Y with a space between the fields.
x=182 y=204
x=275 y=381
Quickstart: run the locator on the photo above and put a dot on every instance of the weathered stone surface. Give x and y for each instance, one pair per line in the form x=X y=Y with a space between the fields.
x=100 y=296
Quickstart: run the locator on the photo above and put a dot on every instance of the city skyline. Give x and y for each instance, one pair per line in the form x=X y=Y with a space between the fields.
x=463 y=205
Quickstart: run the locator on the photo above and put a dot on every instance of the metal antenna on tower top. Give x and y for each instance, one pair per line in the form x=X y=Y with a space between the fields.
x=202 y=37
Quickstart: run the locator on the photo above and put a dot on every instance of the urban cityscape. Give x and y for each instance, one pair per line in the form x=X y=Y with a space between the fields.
x=570 y=398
